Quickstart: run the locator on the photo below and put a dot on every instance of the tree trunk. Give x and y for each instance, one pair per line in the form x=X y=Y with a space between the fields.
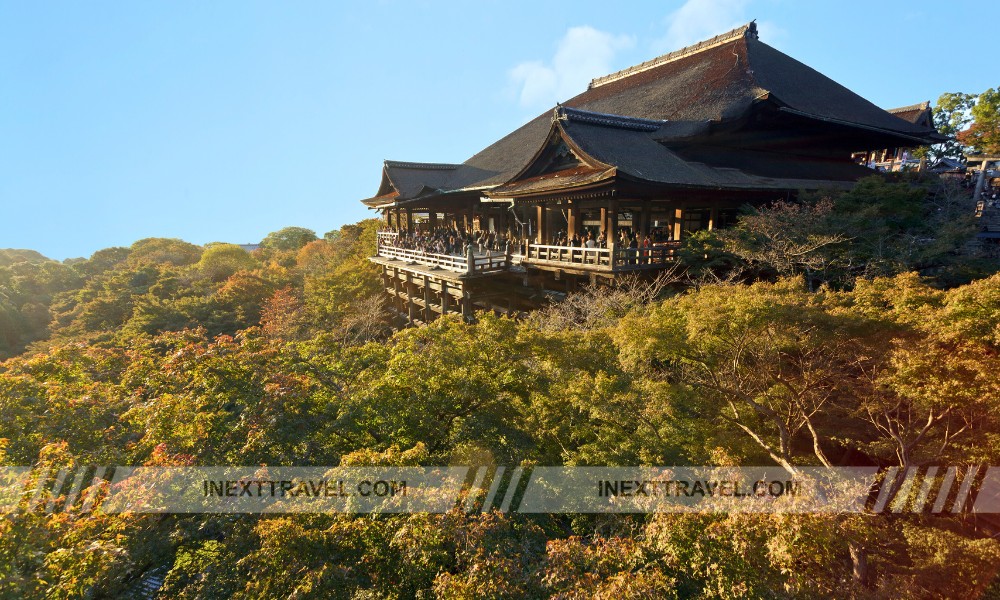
x=860 y=571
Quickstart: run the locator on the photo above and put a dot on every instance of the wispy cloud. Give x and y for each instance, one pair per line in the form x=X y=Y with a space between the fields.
x=582 y=54
x=698 y=20
x=585 y=52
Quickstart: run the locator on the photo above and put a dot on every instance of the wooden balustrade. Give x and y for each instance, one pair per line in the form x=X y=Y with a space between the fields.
x=483 y=263
x=617 y=259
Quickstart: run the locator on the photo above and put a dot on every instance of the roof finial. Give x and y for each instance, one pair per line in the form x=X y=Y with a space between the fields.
x=752 y=29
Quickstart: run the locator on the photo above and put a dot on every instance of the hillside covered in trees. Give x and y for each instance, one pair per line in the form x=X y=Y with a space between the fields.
x=847 y=329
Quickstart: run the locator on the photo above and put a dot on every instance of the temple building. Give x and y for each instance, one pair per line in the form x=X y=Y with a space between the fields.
x=611 y=181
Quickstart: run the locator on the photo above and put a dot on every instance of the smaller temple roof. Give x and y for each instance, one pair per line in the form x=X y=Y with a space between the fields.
x=407 y=180
x=918 y=114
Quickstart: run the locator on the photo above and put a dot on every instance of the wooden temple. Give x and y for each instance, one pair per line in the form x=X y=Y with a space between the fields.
x=611 y=181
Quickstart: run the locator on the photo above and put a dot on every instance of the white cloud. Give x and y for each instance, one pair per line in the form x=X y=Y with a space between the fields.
x=698 y=20
x=582 y=54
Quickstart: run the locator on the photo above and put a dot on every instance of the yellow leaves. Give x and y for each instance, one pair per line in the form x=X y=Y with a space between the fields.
x=391 y=457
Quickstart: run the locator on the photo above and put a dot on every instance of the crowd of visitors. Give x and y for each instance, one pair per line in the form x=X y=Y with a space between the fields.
x=453 y=241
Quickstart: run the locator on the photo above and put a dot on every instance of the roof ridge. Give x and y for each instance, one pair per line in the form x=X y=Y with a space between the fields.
x=748 y=30
x=918 y=106
x=565 y=113
x=419 y=165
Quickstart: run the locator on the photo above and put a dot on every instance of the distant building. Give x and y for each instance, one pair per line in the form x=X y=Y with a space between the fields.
x=640 y=160
x=900 y=158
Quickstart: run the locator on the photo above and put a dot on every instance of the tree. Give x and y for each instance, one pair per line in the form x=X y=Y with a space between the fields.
x=221 y=261
x=983 y=136
x=951 y=115
x=791 y=238
x=289 y=238
x=163 y=250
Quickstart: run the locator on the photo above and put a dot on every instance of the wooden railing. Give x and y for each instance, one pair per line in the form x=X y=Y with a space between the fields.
x=387 y=238
x=565 y=254
x=470 y=263
x=617 y=259
x=645 y=258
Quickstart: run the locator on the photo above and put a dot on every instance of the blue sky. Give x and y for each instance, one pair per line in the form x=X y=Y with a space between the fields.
x=223 y=121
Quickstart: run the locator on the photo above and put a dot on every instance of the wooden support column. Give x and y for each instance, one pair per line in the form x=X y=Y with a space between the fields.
x=409 y=220
x=541 y=229
x=466 y=304
x=432 y=219
x=612 y=228
x=411 y=308
x=396 y=300
x=444 y=298
x=713 y=218
x=428 y=315
x=502 y=222
x=678 y=223
x=573 y=220
x=644 y=219
x=604 y=220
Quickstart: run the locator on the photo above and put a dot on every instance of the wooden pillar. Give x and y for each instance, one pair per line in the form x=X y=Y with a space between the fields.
x=388 y=217
x=411 y=308
x=573 y=220
x=445 y=298
x=604 y=220
x=409 y=220
x=613 y=228
x=428 y=315
x=396 y=301
x=541 y=229
x=432 y=220
x=502 y=222
x=466 y=305
x=678 y=223
x=713 y=218
x=644 y=219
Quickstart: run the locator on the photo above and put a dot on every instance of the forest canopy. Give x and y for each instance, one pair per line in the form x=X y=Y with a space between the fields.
x=847 y=329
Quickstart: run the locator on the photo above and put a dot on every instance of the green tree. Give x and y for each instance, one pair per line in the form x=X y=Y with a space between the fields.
x=983 y=136
x=951 y=115
x=289 y=238
x=220 y=261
